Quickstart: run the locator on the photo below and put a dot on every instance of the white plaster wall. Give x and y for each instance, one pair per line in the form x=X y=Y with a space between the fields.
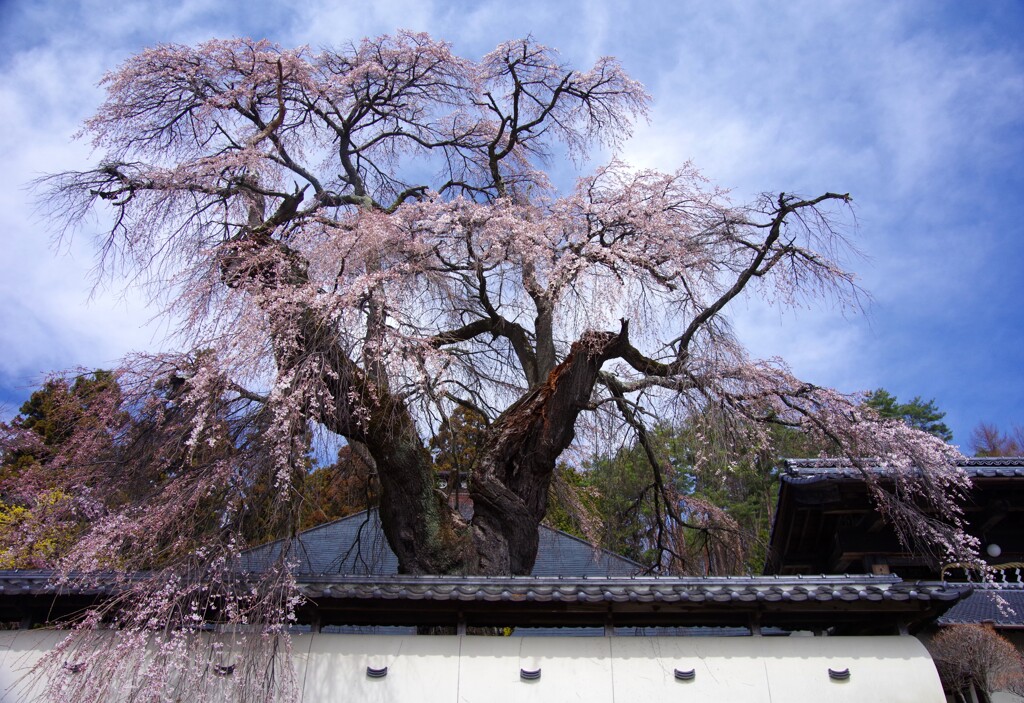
x=590 y=669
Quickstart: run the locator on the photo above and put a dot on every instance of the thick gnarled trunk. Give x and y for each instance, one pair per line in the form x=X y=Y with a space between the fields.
x=509 y=485
x=426 y=536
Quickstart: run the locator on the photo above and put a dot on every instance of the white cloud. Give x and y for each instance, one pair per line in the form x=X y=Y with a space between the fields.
x=916 y=113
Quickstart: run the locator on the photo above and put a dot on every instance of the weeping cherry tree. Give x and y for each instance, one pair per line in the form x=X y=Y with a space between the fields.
x=358 y=242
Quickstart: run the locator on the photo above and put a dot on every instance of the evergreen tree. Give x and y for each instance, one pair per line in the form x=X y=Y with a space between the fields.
x=923 y=415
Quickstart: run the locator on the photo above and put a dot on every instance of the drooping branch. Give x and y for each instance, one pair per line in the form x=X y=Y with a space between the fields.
x=717 y=528
x=278 y=197
x=417 y=524
x=756 y=267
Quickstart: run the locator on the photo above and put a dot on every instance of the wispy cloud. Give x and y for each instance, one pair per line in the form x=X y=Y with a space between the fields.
x=915 y=108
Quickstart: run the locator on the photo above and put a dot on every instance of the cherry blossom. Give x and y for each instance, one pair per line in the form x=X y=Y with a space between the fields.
x=357 y=241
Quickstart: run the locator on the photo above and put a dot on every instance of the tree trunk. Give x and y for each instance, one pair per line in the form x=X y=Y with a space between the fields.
x=509 y=484
x=425 y=535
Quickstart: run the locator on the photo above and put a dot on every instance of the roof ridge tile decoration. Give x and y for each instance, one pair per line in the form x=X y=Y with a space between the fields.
x=811 y=470
x=846 y=587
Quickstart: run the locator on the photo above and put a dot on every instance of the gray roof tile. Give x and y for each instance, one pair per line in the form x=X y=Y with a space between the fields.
x=355 y=545
x=642 y=589
x=812 y=470
x=1002 y=607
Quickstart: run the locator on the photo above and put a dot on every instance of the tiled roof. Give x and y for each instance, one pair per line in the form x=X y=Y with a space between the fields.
x=355 y=545
x=800 y=470
x=845 y=604
x=640 y=589
x=1002 y=607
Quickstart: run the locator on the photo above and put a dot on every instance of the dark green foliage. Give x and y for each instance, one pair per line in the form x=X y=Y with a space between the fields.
x=917 y=413
x=626 y=503
x=41 y=515
x=51 y=417
x=724 y=492
x=48 y=411
x=572 y=506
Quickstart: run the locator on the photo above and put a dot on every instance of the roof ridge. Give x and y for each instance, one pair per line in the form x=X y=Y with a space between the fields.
x=871 y=462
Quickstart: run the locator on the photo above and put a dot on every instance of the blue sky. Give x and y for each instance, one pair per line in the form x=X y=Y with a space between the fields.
x=915 y=108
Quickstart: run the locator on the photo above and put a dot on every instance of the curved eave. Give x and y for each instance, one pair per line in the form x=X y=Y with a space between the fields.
x=859 y=602
x=799 y=602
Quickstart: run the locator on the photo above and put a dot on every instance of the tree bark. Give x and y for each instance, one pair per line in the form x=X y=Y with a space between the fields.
x=509 y=485
x=425 y=535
